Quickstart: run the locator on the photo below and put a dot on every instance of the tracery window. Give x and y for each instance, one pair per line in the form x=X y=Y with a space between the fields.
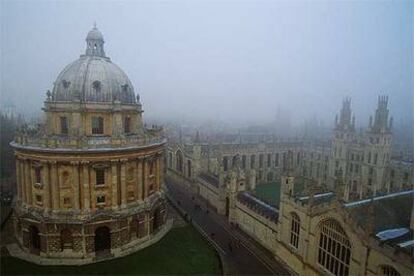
x=334 y=252
x=387 y=270
x=179 y=161
x=295 y=230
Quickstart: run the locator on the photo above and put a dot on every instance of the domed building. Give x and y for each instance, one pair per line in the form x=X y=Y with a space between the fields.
x=89 y=182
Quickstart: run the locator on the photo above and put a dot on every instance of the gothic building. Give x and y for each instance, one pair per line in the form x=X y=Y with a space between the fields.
x=343 y=208
x=89 y=181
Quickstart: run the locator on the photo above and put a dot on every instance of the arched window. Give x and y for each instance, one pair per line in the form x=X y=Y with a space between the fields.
x=387 y=270
x=170 y=159
x=334 y=248
x=179 y=164
x=294 y=230
x=188 y=168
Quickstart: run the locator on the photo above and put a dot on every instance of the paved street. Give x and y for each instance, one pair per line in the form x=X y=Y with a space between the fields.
x=241 y=255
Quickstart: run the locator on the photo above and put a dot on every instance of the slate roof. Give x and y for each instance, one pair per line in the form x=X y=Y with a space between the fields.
x=258 y=206
x=211 y=179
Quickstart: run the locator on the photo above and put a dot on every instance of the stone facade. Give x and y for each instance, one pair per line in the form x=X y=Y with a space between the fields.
x=320 y=207
x=90 y=181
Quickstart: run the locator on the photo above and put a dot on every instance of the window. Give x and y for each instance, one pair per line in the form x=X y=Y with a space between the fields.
x=170 y=159
x=63 y=125
x=387 y=270
x=375 y=158
x=179 y=161
x=269 y=160
x=261 y=161
x=38 y=175
x=100 y=177
x=294 y=230
x=225 y=163
x=369 y=157
x=100 y=199
x=96 y=85
x=127 y=125
x=334 y=252
x=39 y=199
x=66 y=201
x=244 y=161
x=97 y=125
x=252 y=161
x=189 y=168
x=277 y=160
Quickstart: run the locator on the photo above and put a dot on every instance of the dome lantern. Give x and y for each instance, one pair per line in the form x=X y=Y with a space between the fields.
x=95 y=43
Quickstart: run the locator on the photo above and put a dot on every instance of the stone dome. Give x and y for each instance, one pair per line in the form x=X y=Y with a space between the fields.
x=93 y=77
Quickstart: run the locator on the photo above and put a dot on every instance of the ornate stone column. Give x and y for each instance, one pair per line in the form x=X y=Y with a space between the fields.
x=23 y=180
x=161 y=171
x=145 y=179
x=139 y=179
x=114 y=183
x=28 y=182
x=123 y=183
x=86 y=188
x=158 y=173
x=46 y=188
x=18 y=181
x=75 y=184
x=54 y=183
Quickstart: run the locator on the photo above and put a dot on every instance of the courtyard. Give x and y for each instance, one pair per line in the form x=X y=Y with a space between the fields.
x=182 y=251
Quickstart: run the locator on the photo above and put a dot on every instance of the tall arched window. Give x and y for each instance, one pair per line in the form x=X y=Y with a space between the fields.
x=334 y=248
x=387 y=270
x=295 y=230
x=188 y=168
x=179 y=165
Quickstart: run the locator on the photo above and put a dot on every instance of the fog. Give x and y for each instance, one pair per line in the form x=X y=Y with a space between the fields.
x=229 y=61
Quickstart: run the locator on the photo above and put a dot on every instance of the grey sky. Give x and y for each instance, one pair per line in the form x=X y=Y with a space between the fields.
x=230 y=60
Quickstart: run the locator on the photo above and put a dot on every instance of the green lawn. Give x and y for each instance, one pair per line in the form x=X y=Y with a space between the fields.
x=182 y=251
x=269 y=192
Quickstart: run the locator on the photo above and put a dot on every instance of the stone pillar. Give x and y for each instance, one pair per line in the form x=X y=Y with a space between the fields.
x=86 y=188
x=139 y=179
x=123 y=183
x=75 y=184
x=145 y=179
x=158 y=173
x=23 y=180
x=46 y=188
x=162 y=171
x=28 y=182
x=18 y=181
x=54 y=185
x=114 y=183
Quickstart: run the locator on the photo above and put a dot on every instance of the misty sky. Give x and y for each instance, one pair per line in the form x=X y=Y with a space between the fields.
x=226 y=60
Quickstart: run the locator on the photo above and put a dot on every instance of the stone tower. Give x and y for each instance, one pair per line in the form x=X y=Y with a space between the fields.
x=343 y=137
x=378 y=141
